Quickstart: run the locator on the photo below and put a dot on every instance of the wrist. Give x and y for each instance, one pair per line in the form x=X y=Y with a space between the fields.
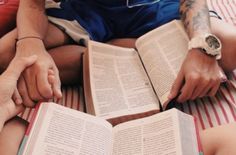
x=208 y=43
x=30 y=45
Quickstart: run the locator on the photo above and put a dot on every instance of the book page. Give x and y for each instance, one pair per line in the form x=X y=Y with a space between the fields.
x=162 y=52
x=119 y=83
x=187 y=134
x=157 y=134
x=66 y=131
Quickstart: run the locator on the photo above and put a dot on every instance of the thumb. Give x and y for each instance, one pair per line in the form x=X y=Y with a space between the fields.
x=176 y=85
x=18 y=65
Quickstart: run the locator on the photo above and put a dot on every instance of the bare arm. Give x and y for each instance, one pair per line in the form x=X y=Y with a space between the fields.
x=31 y=19
x=32 y=22
x=195 y=16
x=200 y=74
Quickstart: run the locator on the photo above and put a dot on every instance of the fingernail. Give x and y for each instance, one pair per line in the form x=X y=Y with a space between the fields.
x=19 y=101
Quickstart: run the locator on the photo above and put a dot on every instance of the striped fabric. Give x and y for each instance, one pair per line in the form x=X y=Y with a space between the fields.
x=209 y=112
x=72 y=97
x=220 y=109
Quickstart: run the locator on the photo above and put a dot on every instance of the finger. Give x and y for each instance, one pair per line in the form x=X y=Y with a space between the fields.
x=177 y=85
x=24 y=93
x=56 y=85
x=51 y=72
x=214 y=89
x=16 y=97
x=18 y=65
x=43 y=85
x=14 y=109
x=202 y=85
x=30 y=81
x=206 y=90
x=187 y=90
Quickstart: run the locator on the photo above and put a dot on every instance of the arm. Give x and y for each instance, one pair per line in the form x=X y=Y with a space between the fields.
x=31 y=21
x=199 y=75
x=195 y=17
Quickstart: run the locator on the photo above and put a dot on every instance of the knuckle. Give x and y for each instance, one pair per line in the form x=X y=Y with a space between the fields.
x=211 y=94
x=34 y=96
x=194 y=76
x=29 y=104
x=45 y=91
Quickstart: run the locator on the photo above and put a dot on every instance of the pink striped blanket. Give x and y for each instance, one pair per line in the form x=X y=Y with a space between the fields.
x=210 y=112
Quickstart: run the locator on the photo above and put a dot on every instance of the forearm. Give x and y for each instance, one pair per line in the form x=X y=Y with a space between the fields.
x=31 y=19
x=195 y=17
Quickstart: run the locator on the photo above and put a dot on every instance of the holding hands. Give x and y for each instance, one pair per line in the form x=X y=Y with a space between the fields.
x=10 y=100
x=36 y=83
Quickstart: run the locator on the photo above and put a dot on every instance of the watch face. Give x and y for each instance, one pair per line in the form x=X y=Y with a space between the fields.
x=212 y=42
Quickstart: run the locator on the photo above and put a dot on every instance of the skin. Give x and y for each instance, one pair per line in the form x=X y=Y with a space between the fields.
x=199 y=74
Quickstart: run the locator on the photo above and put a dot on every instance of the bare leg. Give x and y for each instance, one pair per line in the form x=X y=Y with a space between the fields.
x=65 y=57
x=219 y=140
x=227 y=35
x=11 y=136
x=124 y=42
x=68 y=61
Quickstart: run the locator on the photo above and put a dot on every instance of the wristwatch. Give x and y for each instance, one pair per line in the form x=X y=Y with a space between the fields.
x=209 y=44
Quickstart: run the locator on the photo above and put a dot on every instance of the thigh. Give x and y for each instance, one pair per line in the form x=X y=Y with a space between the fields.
x=227 y=35
x=123 y=42
x=68 y=59
x=219 y=140
x=12 y=135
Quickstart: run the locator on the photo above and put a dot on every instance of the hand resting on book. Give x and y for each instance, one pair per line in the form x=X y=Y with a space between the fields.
x=199 y=76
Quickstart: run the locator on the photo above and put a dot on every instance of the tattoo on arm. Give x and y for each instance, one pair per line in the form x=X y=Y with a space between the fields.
x=195 y=16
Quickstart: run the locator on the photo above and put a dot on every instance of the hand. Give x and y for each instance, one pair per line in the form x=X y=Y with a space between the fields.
x=35 y=78
x=8 y=81
x=199 y=76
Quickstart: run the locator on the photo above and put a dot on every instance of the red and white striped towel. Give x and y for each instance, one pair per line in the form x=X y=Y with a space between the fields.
x=72 y=97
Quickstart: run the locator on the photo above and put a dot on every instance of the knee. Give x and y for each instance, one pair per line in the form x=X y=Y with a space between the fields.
x=68 y=57
x=227 y=35
x=227 y=61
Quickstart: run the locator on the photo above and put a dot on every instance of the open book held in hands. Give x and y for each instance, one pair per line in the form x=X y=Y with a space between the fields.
x=60 y=130
x=121 y=82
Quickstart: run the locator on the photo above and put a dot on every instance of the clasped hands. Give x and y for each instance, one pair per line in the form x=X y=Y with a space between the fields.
x=29 y=78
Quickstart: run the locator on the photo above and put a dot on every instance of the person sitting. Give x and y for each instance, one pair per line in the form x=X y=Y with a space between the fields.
x=215 y=141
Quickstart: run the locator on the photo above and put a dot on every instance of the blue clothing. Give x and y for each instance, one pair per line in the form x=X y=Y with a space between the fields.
x=108 y=19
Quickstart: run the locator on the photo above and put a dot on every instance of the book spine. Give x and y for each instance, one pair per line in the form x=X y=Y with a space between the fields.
x=23 y=143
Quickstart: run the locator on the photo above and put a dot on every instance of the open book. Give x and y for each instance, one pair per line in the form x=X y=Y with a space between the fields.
x=125 y=81
x=60 y=130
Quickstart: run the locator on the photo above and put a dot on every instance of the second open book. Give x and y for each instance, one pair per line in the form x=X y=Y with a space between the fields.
x=125 y=81
x=60 y=130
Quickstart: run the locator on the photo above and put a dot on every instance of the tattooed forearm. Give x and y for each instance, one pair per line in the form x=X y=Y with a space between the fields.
x=195 y=16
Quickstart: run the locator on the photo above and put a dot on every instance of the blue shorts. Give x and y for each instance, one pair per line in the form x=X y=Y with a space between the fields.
x=107 y=19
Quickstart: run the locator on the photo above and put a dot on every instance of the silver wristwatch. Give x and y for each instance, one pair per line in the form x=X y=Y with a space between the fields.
x=209 y=44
